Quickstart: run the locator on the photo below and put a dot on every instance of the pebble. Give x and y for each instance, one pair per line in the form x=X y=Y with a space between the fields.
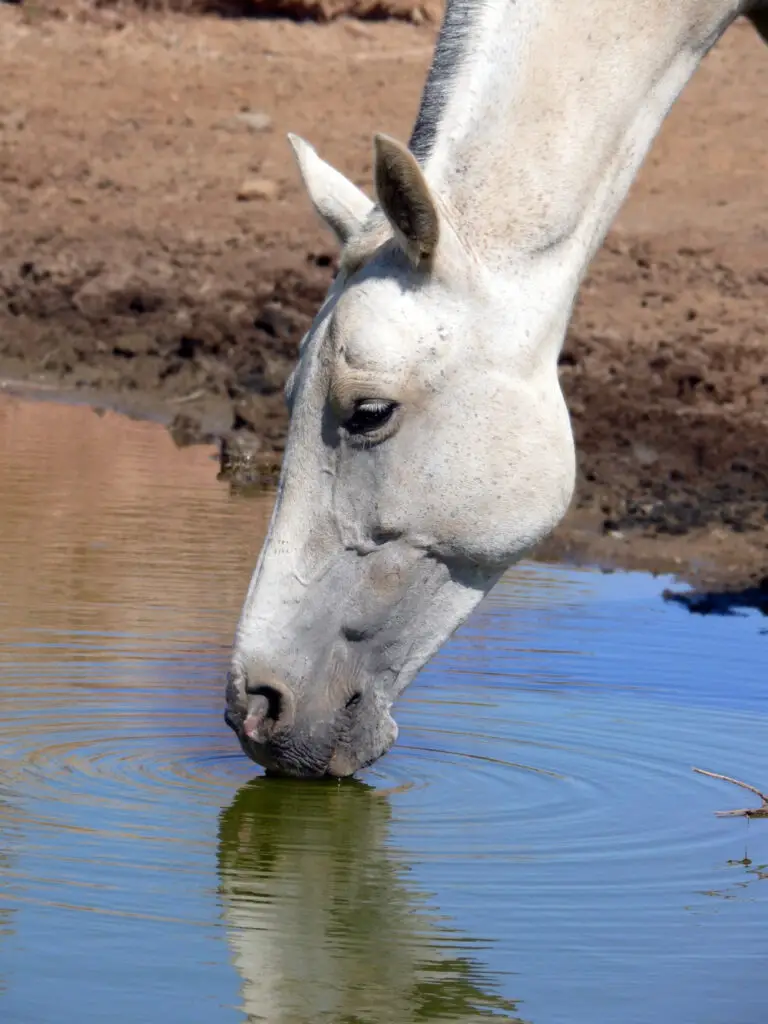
x=257 y=188
x=255 y=120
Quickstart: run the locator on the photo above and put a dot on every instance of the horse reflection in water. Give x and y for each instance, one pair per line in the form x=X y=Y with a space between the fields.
x=323 y=926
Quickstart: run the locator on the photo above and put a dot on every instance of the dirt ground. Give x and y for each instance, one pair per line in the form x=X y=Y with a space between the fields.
x=157 y=254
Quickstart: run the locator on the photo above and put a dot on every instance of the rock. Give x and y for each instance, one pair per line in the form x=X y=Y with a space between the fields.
x=259 y=189
x=255 y=120
x=123 y=292
x=134 y=343
x=188 y=430
x=244 y=465
x=645 y=455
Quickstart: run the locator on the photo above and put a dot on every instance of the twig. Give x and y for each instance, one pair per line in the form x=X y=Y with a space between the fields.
x=187 y=398
x=736 y=782
x=744 y=812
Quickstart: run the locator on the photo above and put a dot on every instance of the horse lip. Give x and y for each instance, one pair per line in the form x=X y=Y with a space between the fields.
x=261 y=755
x=340 y=766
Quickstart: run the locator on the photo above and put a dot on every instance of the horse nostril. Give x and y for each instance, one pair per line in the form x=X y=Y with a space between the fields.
x=270 y=708
x=274 y=698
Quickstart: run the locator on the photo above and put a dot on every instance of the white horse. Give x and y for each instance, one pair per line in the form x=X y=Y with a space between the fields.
x=429 y=445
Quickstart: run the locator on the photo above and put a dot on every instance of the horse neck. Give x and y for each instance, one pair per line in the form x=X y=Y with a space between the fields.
x=537 y=114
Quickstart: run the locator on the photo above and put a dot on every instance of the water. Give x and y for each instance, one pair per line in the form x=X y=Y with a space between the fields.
x=535 y=848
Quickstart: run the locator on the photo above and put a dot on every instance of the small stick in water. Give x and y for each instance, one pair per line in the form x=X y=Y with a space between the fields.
x=744 y=812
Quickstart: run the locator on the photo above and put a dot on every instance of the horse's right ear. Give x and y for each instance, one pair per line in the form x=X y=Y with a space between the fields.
x=339 y=202
x=406 y=199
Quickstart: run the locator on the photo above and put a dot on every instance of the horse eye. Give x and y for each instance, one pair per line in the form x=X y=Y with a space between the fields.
x=369 y=414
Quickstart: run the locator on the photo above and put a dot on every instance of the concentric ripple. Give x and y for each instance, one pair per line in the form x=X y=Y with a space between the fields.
x=70 y=768
x=90 y=770
x=609 y=783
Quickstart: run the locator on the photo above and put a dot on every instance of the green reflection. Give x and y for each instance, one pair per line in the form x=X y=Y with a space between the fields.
x=323 y=924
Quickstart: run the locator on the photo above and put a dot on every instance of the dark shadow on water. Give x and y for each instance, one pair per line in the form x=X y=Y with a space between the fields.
x=325 y=926
x=722 y=602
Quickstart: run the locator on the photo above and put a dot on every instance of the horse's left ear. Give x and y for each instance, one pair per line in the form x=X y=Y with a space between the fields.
x=405 y=199
x=337 y=200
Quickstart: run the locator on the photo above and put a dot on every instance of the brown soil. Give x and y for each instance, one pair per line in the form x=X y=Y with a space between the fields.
x=131 y=272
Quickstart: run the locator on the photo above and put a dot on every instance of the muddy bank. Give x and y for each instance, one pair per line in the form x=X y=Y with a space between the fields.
x=117 y=12
x=158 y=255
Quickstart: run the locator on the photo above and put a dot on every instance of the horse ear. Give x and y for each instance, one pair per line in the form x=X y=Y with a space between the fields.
x=339 y=202
x=405 y=199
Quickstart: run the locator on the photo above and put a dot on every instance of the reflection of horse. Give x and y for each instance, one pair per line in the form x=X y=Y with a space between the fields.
x=322 y=923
